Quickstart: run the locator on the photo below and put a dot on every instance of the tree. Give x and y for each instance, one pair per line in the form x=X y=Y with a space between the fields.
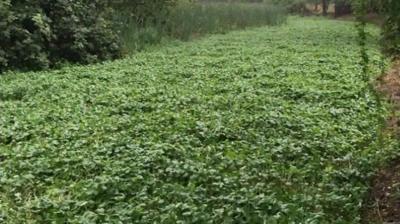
x=38 y=34
x=325 y=5
x=342 y=7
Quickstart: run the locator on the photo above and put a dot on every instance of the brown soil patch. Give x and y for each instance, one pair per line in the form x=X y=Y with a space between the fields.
x=383 y=202
x=389 y=85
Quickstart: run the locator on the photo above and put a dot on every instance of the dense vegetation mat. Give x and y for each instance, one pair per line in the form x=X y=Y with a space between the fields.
x=268 y=125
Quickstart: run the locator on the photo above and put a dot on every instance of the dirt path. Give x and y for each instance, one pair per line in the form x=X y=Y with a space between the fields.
x=383 y=203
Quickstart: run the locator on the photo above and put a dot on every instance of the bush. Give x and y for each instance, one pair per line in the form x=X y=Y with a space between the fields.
x=4 y=20
x=23 y=37
x=391 y=27
x=389 y=9
x=38 y=34
x=342 y=7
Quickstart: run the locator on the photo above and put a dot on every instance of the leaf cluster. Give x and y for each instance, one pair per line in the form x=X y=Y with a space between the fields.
x=39 y=34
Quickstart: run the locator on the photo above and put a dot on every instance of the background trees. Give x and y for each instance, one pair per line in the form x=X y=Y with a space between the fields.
x=37 y=34
x=342 y=7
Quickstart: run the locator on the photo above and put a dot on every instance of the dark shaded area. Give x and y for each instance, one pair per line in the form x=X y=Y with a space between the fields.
x=384 y=199
x=342 y=8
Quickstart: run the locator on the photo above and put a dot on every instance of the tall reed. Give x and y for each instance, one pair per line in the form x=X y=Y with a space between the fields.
x=188 y=20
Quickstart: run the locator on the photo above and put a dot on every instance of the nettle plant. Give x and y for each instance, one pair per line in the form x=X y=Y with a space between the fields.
x=38 y=34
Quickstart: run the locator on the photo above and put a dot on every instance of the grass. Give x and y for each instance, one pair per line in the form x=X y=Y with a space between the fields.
x=267 y=125
x=188 y=20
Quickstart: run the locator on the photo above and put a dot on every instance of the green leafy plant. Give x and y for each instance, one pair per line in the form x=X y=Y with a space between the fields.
x=38 y=34
x=266 y=125
x=391 y=28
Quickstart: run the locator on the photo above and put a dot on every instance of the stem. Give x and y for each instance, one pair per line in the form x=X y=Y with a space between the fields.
x=361 y=11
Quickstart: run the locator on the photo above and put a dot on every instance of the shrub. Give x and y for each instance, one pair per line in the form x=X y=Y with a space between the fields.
x=391 y=27
x=37 y=34
x=23 y=36
x=389 y=10
x=4 y=20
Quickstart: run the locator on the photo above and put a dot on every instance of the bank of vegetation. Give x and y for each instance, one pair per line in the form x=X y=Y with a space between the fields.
x=267 y=125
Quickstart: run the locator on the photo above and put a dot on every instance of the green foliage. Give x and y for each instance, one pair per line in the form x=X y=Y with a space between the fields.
x=143 y=12
x=23 y=35
x=391 y=28
x=5 y=19
x=389 y=9
x=360 y=7
x=186 y=20
x=267 y=125
x=196 y=19
x=38 y=34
